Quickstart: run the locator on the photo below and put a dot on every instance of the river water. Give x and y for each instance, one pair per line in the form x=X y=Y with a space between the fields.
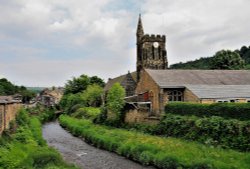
x=75 y=150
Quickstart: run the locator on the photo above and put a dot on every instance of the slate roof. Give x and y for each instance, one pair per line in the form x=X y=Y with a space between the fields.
x=7 y=99
x=118 y=79
x=181 y=78
x=220 y=91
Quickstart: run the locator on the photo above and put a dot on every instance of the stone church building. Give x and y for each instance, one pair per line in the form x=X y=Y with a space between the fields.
x=153 y=85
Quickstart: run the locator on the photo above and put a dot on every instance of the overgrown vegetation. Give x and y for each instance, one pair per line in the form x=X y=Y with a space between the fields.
x=208 y=130
x=82 y=92
x=238 y=111
x=25 y=148
x=223 y=59
x=152 y=150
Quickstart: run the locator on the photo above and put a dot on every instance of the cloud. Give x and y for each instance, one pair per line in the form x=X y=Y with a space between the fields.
x=53 y=40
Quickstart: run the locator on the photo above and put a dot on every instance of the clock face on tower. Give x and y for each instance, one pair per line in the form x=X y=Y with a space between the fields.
x=156 y=44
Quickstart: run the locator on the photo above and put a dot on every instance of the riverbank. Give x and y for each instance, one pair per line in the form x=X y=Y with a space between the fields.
x=153 y=150
x=23 y=146
x=76 y=151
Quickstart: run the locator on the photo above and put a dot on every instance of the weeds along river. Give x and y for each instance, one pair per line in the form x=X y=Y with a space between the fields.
x=75 y=150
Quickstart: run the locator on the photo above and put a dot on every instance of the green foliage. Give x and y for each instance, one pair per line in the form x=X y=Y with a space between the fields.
x=96 y=80
x=7 y=88
x=244 y=52
x=202 y=63
x=157 y=151
x=210 y=62
x=22 y=117
x=93 y=95
x=81 y=83
x=27 y=149
x=87 y=112
x=77 y=85
x=238 y=111
x=69 y=101
x=45 y=156
x=209 y=130
x=226 y=59
x=115 y=99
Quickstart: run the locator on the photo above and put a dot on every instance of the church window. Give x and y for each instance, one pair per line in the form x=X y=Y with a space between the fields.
x=175 y=95
x=153 y=52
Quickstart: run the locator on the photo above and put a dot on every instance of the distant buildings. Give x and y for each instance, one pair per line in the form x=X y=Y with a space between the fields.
x=50 y=97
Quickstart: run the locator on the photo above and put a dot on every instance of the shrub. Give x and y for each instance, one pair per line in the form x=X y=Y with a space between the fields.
x=209 y=130
x=22 y=117
x=87 y=112
x=43 y=157
x=240 y=111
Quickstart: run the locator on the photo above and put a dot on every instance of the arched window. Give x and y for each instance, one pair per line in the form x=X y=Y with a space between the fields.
x=175 y=95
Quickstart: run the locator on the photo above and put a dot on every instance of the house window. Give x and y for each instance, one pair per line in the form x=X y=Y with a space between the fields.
x=248 y=101
x=175 y=95
x=222 y=101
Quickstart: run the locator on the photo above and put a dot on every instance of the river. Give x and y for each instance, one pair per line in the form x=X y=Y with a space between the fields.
x=75 y=150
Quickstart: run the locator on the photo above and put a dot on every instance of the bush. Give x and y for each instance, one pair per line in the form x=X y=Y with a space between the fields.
x=209 y=130
x=22 y=117
x=240 y=111
x=43 y=157
x=87 y=112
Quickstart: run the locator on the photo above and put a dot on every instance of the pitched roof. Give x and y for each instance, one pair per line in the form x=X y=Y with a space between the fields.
x=181 y=78
x=118 y=79
x=220 y=91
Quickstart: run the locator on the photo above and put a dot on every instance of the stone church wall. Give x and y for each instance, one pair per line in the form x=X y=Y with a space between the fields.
x=147 y=84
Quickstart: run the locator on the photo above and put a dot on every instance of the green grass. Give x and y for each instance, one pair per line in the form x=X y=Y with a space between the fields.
x=153 y=150
x=27 y=149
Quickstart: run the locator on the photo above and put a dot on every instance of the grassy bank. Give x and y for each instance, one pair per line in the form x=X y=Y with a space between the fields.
x=25 y=147
x=153 y=150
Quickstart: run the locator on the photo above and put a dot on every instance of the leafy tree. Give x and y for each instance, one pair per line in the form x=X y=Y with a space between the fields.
x=80 y=84
x=7 y=88
x=77 y=85
x=115 y=99
x=93 y=95
x=97 y=80
x=226 y=59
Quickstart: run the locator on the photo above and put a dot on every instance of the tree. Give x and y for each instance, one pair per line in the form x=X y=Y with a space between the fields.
x=93 y=95
x=97 y=80
x=115 y=99
x=77 y=85
x=226 y=59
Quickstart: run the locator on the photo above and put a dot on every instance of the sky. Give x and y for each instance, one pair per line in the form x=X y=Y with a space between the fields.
x=47 y=42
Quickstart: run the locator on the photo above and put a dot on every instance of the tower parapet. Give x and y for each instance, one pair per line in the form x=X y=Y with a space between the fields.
x=151 y=50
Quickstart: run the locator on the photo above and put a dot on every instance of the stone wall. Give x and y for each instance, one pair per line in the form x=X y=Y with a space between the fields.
x=147 y=84
x=190 y=97
x=8 y=113
x=139 y=116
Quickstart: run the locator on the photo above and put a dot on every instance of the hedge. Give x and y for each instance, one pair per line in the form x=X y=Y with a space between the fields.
x=209 y=130
x=161 y=152
x=240 y=111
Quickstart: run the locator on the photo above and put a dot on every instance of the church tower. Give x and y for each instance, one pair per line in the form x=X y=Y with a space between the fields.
x=151 y=50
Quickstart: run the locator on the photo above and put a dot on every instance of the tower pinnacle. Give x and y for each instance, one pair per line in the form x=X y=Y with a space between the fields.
x=140 y=31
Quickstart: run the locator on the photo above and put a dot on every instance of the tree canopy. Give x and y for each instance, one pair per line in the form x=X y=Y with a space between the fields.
x=7 y=88
x=226 y=59
x=115 y=98
x=81 y=83
x=209 y=62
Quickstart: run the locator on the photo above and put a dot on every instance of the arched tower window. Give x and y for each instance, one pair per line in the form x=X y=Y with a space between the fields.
x=153 y=52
